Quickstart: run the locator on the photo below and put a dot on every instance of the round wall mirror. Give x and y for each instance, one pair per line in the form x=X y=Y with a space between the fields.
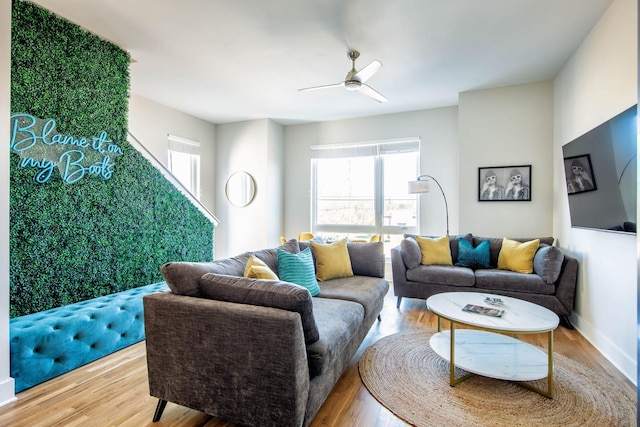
x=240 y=189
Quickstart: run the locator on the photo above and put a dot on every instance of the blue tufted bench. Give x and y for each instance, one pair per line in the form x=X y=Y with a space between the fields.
x=52 y=342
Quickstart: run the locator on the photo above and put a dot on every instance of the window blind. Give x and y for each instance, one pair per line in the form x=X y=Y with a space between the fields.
x=364 y=150
x=183 y=145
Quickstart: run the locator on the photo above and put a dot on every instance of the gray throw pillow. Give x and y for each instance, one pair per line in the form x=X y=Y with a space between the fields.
x=547 y=263
x=182 y=277
x=411 y=254
x=265 y=293
x=367 y=259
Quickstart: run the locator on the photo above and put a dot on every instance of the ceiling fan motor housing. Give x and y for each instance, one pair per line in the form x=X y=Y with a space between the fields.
x=352 y=84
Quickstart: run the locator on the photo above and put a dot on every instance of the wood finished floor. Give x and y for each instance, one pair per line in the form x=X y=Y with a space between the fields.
x=113 y=391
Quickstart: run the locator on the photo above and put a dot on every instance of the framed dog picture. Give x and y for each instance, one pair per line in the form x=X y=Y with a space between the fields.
x=579 y=174
x=504 y=183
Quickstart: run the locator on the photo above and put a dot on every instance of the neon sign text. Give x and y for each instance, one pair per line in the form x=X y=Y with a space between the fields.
x=40 y=147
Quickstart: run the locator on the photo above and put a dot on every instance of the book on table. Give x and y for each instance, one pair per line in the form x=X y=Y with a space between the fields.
x=487 y=311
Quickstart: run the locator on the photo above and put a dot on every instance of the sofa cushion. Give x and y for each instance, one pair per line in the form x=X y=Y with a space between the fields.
x=517 y=256
x=442 y=275
x=504 y=280
x=331 y=260
x=411 y=255
x=435 y=251
x=453 y=243
x=257 y=269
x=495 y=244
x=182 y=277
x=338 y=321
x=366 y=291
x=265 y=293
x=473 y=258
x=298 y=268
x=367 y=259
x=547 y=263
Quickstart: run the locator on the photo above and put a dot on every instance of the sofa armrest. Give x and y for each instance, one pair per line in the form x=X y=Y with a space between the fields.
x=397 y=264
x=244 y=363
x=567 y=282
x=398 y=271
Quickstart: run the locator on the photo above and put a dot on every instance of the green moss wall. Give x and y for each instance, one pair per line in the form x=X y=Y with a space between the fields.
x=75 y=241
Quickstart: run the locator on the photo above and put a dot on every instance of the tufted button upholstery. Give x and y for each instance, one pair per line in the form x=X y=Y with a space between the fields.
x=47 y=344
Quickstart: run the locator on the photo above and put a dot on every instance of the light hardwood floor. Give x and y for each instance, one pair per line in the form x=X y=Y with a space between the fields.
x=113 y=391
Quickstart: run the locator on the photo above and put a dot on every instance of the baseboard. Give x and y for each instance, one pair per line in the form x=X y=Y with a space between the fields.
x=614 y=354
x=7 y=391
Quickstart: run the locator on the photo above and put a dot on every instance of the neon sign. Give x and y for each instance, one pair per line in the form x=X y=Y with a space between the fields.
x=40 y=147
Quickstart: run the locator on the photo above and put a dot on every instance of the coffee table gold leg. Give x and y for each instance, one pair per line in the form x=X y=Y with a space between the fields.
x=550 y=365
x=452 y=346
x=549 y=391
x=452 y=366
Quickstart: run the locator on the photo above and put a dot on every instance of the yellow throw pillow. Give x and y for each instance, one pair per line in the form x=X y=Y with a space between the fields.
x=332 y=260
x=257 y=269
x=435 y=251
x=516 y=256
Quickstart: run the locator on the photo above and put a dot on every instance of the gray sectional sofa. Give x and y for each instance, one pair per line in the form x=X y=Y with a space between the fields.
x=258 y=352
x=551 y=285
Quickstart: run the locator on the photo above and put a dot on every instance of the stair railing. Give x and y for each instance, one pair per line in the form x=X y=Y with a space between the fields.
x=169 y=176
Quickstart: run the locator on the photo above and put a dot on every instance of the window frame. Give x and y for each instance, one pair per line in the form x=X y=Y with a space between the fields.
x=379 y=227
x=182 y=145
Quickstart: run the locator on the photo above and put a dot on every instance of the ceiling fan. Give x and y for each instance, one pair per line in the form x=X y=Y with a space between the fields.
x=355 y=80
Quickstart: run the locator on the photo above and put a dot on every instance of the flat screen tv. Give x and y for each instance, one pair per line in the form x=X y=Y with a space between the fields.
x=601 y=175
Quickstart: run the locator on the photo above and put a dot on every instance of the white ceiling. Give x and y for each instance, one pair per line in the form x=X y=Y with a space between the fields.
x=232 y=60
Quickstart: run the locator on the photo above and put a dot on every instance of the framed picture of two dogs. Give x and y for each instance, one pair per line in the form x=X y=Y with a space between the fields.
x=504 y=183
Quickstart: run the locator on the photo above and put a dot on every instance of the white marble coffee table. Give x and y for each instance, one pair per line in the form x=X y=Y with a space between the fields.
x=487 y=351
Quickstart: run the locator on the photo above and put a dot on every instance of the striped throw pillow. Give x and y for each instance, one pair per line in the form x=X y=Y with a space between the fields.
x=298 y=268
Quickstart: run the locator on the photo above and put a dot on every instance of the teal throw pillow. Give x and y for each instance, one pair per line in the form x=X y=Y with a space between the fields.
x=298 y=268
x=473 y=258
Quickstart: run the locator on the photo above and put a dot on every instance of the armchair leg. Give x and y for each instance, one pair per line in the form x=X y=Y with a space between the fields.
x=398 y=303
x=159 y=410
x=379 y=318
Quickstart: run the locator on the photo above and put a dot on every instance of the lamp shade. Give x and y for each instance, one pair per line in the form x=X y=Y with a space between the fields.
x=422 y=186
x=419 y=186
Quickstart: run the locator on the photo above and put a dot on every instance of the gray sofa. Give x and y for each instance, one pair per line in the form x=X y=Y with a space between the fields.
x=552 y=285
x=252 y=351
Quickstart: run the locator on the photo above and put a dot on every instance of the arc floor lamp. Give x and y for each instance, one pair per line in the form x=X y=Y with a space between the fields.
x=421 y=185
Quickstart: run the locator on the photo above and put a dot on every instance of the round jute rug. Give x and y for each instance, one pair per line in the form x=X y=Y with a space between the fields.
x=407 y=377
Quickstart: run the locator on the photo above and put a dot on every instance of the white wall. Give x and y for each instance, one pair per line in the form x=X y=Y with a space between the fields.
x=437 y=130
x=598 y=82
x=150 y=123
x=505 y=127
x=7 y=388
x=255 y=147
x=275 y=183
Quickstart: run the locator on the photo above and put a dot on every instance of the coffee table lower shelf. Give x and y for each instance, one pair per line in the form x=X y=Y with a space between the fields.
x=496 y=356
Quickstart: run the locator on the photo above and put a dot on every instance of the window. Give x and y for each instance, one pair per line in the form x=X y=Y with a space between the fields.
x=360 y=190
x=184 y=163
x=345 y=191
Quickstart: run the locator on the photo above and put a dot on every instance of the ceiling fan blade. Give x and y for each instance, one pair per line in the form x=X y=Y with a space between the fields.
x=368 y=71
x=368 y=91
x=322 y=87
